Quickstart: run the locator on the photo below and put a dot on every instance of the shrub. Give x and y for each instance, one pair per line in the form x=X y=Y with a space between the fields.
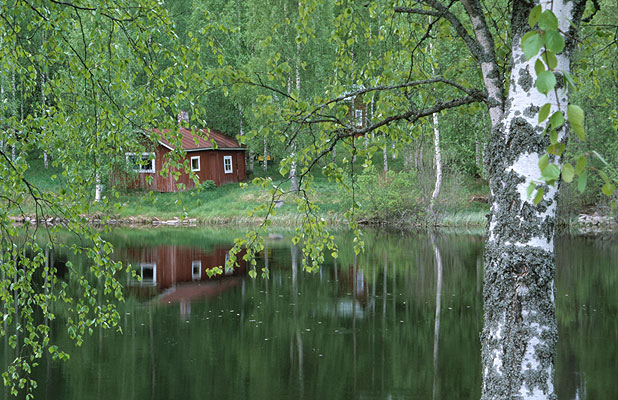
x=208 y=185
x=393 y=196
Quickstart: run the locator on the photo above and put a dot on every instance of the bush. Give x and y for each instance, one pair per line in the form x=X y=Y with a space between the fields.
x=393 y=196
x=208 y=185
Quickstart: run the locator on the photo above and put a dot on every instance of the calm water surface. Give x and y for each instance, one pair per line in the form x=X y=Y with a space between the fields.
x=400 y=321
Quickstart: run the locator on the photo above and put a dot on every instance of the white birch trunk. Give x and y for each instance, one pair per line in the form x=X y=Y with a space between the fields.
x=520 y=330
x=265 y=155
x=98 y=188
x=293 y=177
x=385 y=151
x=436 y=145
x=437 y=162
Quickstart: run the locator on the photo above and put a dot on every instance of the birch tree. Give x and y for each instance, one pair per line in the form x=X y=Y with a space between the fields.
x=525 y=152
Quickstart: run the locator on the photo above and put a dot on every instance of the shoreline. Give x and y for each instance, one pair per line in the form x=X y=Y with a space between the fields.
x=584 y=224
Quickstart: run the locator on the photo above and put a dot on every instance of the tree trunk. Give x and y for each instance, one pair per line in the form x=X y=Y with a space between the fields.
x=293 y=177
x=438 y=164
x=98 y=188
x=265 y=155
x=520 y=331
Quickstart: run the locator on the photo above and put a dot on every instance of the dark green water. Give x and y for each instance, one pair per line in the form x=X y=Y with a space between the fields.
x=388 y=324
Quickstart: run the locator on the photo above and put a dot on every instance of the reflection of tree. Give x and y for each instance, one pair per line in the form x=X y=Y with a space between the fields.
x=296 y=337
x=215 y=354
x=436 y=329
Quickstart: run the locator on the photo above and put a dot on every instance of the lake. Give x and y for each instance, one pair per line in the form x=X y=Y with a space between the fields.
x=399 y=321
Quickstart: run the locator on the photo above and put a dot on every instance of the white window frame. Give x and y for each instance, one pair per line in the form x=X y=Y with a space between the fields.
x=142 y=267
x=198 y=163
x=358 y=116
x=225 y=166
x=196 y=276
x=228 y=270
x=142 y=170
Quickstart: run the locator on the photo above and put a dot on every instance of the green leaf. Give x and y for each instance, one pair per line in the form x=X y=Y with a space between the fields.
x=579 y=131
x=557 y=120
x=608 y=189
x=599 y=157
x=544 y=112
x=539 y=196
x=539 y=66
x=553 y=136
x=551 y=173
x=604 y=176
x=531 y=44
x=581 y=181
x=569 y=79
x=568 y=172
x=554 y=41
x=534 y=15
x=550 y=59
x=530 y=189
x=575 y=114
x=548 y=21
x=545 y=81
x=581 y=165
x=543 y=162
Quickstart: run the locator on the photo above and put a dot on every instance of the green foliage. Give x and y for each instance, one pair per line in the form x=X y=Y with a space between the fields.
x=393 y=196
x=208 y=185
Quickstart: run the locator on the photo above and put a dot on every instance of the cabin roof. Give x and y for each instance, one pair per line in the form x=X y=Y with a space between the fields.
x=196 y=141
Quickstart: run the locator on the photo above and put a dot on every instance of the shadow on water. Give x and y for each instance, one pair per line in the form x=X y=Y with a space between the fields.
x=400 y=321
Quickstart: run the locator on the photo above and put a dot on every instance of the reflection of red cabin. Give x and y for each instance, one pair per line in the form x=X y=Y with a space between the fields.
x=355 y=283
x=221 y=163
x=174 y=267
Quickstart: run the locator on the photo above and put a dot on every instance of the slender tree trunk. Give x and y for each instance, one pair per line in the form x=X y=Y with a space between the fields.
x=437 y=162
x=98 y=188
x=385 y=153
x=520 y=331
x=265 y=155
x=437 y=158
x=13 y=110
x=293 y=177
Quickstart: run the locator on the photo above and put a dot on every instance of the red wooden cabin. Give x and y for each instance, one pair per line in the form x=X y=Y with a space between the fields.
x=223 y=163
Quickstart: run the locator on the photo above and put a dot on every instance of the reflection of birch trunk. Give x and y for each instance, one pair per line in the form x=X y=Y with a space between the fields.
x=384 y=295
x=297 y=337
x=152 y=356
x=436 y=329
x=354 y=296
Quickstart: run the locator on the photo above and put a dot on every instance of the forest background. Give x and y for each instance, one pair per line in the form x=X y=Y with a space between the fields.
x=81 y=84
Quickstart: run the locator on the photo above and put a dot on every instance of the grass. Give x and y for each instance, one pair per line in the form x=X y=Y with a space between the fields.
x=231 y=205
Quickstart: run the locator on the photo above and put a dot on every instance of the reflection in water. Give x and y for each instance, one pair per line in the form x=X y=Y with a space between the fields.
x=398 y=322
x=180 y=274
x=436 y=330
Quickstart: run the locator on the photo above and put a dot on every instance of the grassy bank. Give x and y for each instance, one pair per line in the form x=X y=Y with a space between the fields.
x=397 y=199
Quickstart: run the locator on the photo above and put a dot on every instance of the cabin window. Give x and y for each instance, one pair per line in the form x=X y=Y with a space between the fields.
x=228 y=270
x=358 y=116
x=148 y=273
x=195 y=163
x=227 y=164
x=196 y=270
x=143 y=163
